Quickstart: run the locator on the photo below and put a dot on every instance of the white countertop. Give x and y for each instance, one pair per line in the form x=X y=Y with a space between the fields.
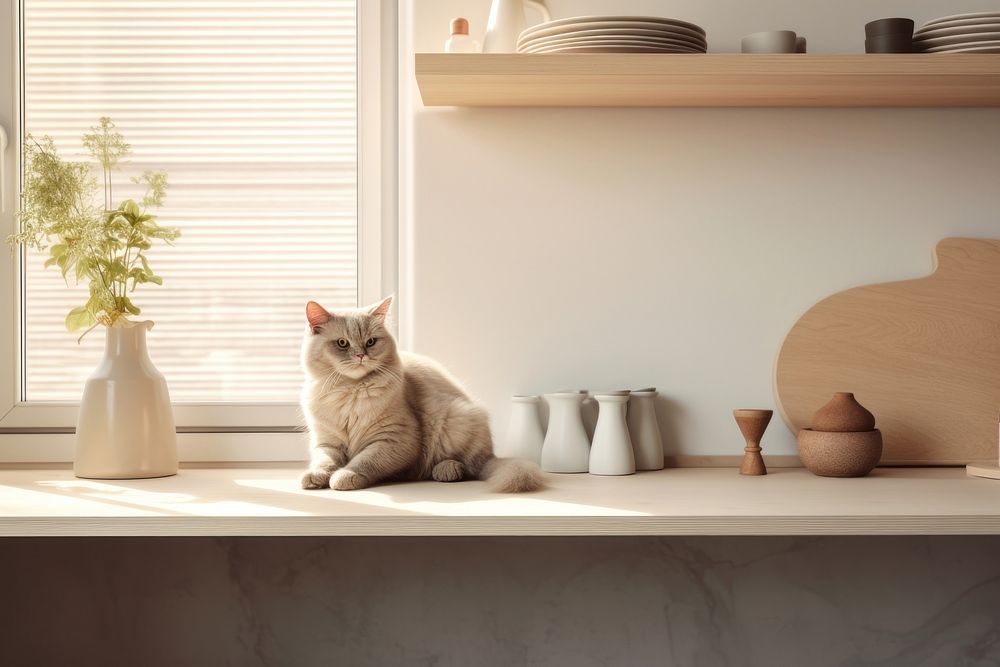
x=680 y=501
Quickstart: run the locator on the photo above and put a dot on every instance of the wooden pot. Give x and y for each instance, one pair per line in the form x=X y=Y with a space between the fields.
x=831 y=454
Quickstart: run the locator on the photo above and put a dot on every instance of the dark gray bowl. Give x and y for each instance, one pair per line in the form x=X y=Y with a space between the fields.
x=889 y=27
x=889 y=44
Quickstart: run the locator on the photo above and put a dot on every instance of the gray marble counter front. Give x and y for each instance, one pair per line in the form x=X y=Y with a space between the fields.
x=573 y=601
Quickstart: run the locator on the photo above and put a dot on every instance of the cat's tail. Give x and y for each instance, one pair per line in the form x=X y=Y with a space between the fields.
x=512 y=475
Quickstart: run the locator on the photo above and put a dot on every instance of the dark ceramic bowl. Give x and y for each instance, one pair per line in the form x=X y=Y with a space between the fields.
x=889 y=27
x=889 y=44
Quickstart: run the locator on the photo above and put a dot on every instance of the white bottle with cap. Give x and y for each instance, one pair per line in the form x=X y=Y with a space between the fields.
x=460 y=42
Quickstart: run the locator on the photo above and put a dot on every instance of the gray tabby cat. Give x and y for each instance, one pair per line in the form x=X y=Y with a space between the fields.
x=377 y=414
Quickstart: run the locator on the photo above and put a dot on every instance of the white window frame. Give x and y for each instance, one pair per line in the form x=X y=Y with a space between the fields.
x=43 y=432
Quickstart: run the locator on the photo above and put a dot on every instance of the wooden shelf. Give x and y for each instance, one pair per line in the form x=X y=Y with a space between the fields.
x=680 y=501
x=709 y=80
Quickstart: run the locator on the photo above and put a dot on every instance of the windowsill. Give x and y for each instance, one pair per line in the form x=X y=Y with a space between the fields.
x=267 y=501
x=235 y=447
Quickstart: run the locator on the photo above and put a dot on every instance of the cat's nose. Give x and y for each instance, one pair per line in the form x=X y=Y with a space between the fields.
x=361 y=357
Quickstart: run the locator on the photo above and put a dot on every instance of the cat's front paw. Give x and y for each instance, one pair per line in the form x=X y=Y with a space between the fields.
x=347 y=480
x=448 y=470
x=315 y=478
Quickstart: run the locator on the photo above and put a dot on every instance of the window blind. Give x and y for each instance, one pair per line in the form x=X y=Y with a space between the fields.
x=250 y=106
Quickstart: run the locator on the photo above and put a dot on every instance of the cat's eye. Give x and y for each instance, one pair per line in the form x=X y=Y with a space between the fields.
x=370 y=342
x=343 y=343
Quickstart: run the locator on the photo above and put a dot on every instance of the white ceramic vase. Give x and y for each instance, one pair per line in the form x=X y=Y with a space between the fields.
x=566 y=447
x=524 y=434
x=126 y=425
x=507 y=22
x=644 y=430
x=611 y=453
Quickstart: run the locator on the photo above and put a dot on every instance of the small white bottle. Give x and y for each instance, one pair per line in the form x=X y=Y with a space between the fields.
x=566 y=447
x=611 y=453
x=460 y=42
x=525 y=435
x=644 y=431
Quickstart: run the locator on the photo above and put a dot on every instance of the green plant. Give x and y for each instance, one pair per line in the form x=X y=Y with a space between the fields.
x=87 y=237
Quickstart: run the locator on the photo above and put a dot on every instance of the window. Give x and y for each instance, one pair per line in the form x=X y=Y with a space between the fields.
x=255 y=109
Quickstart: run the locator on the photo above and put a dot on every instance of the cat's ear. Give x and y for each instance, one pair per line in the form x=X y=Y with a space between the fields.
x=381 y=310
x=317 y=315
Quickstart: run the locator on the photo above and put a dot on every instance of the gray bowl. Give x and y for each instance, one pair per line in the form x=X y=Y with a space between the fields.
x=770 y=41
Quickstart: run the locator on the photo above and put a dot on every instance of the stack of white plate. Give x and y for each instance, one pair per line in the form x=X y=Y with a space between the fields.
x=613 y=34
x=961 y=33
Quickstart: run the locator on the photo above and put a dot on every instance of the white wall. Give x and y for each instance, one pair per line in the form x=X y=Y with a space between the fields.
x=602 y=248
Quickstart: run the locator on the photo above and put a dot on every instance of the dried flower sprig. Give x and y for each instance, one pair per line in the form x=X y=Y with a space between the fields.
x=89 y=239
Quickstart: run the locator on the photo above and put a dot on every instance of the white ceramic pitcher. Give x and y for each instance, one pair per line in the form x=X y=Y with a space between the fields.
x=126 y=425
x=507 y=22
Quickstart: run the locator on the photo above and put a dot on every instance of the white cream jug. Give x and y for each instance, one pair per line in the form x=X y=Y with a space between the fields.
x=507 y=22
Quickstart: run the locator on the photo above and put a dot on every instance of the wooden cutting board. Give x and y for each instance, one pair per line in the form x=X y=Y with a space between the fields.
x=923 y=355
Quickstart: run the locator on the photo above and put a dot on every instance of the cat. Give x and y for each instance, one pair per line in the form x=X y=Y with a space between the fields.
x=377 y=414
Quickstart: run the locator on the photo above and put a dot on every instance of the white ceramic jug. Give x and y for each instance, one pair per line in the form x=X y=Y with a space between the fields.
x=126 y=425
x=566 y=447
x=524 y=434
x=611 y=453
x=644 y=430
x=507 y=22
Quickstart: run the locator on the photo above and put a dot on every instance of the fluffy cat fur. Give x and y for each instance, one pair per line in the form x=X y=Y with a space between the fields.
x=377 y=414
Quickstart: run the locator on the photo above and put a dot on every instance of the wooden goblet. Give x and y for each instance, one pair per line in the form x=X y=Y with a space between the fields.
x=752 y=425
